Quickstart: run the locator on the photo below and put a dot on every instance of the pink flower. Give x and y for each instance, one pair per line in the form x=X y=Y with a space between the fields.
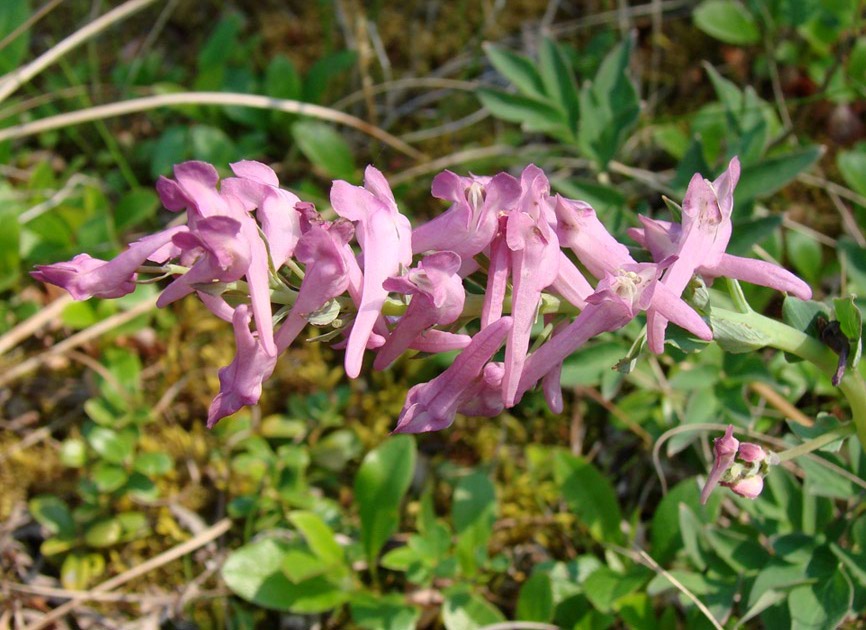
x=750 y=487
x=385 y=238
x=725 y=450
x=437 y=299
x=241 y=381
x=745 y=479
x=85 y=277
x=432 y=406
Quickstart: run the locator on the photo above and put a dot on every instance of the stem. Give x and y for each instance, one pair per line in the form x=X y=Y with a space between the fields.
x=814 y=444
x=783 y=337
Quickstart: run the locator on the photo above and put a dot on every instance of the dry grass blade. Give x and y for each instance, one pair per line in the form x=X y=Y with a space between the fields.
x=32 y=324
x=215 y=531
x=146 y=103
x=22 y=75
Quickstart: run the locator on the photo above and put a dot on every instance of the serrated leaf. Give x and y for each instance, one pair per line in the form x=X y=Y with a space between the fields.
x=728 y=21
x=519 y=70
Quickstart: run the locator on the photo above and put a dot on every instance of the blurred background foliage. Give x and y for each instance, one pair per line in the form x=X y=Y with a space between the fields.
x=562 y=520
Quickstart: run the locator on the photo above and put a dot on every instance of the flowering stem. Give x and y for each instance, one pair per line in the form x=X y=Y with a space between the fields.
x=778 y=335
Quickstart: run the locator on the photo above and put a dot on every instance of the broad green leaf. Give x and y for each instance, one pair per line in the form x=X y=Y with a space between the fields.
x=802 y=314
x=282 y=79
x=381 y=482
x=737 y=337
x=13 y=13
x=558 y=80
x=318 y=535
x=666 y=535
x=691 y=530
x=113 y=446
x=852 y=165
x=325 y=148
x=805 y=254
x=103 y=533
x=765 y=178
x=590 y=495
x=324 y=71
x=212 y=144
x=855 y=263
x=108 y=477
x=534 y=115
x=73 y=453
x=605 y=586
x=823 y=604
x=80 y=570
x=824 y=482
x=589 y=365
x=728 y=21
x=153 y=464
x=535 y=601
x=463 y=610
x=519 y=70
x=52 y=513
x=172 y=147
x=609 y=107
x=300 y=564
x=383 y=612
x=474 y=512
x=255 y=573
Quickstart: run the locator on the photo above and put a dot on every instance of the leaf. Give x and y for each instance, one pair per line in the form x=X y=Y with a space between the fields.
x=852 y=165
x=519 y=70
x=282 y=79
x=728 y=21
x=80 y=570
x=802 y=314
x=855 y=262
x=765 y=178
x=463 y=610
x=383 y=612
x=590 y=496
x=13 y=13
x=851 y=322
x=823 y=604
x=666 y=535
x=533 y=114
x=805 y=254
x=171 y=148
x=605 y=586
x=737 y=337
x=108 y=477
x=535 y=601
x=325 y=148
x=324 y=71
x=153 y=464
x=473 y=512
x=558 y=80
x=10 y=236
x=318 y=535
x=212 y=144
x=52 y=513
x=609 y=107
x=134 y=208
x=381 y=482
x=103 y=533
x=254 y=572
x=114 y=447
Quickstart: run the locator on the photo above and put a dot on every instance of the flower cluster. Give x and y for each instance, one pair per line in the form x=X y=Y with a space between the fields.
x=740 y=466
x=268 y=263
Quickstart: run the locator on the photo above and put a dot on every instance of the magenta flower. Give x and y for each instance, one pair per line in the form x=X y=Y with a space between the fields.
x=432 y=406
x=484 y=396
x=385 y=238
x=748 y=487
x=437 y=299
x=725 y=450
x=85 y=277
x=241 y=381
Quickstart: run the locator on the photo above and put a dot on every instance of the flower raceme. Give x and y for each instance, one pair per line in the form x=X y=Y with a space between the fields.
x=268 y=263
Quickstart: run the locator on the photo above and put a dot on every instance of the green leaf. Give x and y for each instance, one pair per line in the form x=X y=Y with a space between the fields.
x=80 y=570
x=108 y=477
x=114 y=447
x=852 y=165
x=519 y=70
x=212 y=144
x=324 y=71
x=535 y=601
x=381 y=482
x=558 y=80
x=604 y=587
x=255 y=573
x=609 y=107
x=805 y=254
x=10 y=236
x=737 y=337
x=103 y=533
x=473 y=512
x=325 y=148
x=728 y=21
x=590 y=495
x=282 y=79
x=855 y=262
x=533 y=114
x=802 y=314
x=824 y=482
x=823 y=604
x=765 y=178
x=851 y=322
x=134 y=208
x=73 y=453
x=153 y=464
x=52 y=513
x=300 y=565
x=318 y=535
x=13 y=13
x=171 y=148
x=383 y=612
x=463 y=610
x=666 y=535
